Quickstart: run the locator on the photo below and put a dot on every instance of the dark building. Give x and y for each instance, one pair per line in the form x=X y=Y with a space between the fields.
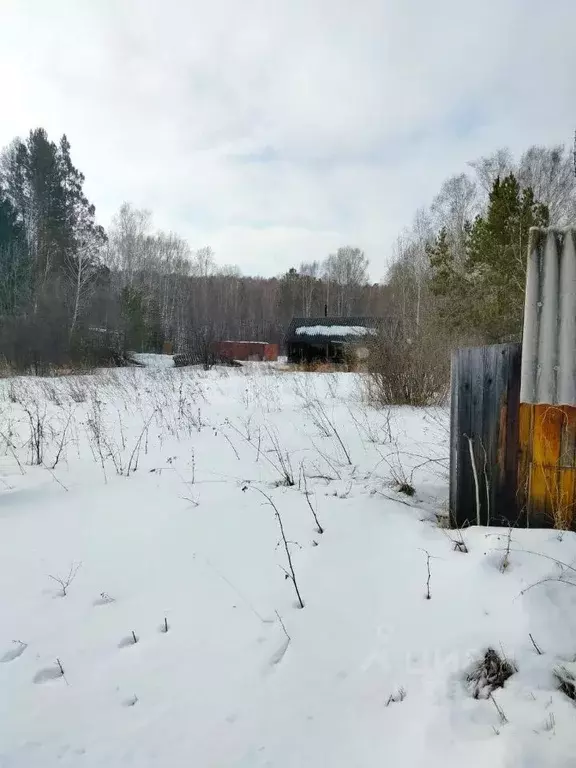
x=325 y=339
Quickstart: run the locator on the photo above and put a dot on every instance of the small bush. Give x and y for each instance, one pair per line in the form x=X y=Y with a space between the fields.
x=566 y=682
x=406 y=489
x=407 y=371
x=488 y=674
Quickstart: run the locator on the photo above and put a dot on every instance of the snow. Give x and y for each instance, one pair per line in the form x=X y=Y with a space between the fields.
x=151 y=360
x=334 y=330
x=155 y=516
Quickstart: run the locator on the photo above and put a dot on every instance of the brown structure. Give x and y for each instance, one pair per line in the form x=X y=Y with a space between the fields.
x=246 y=350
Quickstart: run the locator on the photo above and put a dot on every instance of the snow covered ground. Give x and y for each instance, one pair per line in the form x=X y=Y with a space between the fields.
x=148 y=616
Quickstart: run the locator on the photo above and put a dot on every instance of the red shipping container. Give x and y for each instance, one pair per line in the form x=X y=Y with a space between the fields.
x=246 y=350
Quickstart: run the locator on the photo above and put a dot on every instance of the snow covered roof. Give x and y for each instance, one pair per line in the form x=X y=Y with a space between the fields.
x=303 y=329
x=334 y=330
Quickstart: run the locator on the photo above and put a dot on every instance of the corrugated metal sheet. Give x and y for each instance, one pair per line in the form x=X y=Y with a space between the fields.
x=549 y=339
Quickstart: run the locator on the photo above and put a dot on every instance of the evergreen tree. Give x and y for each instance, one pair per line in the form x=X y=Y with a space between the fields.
x=46 y=192
x=79 y=230
x=133 y=317
x=14 y=261
x=484 y=295
x=154 y=333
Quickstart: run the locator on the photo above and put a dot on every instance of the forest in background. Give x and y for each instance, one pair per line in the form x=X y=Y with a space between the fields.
x=72 y=292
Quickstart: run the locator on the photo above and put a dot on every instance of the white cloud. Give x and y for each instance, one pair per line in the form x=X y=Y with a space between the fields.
x=276 y=131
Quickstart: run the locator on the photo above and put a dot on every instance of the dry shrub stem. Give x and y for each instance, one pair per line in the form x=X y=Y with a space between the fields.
x=291 y=574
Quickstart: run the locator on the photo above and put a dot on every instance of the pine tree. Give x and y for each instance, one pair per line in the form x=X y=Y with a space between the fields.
x=497 y=255
x=46 y=191
x=442 y=263
x=133 y=316
x=483 y=297
x=14 y=261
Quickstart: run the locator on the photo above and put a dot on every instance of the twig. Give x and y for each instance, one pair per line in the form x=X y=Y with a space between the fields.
x=13 y=452
x=503 y=718
x=61 y=668
x=292 y=574
x=237 y=591
x=61 y=443
x=319 y=528
x=506 y=559
x=538 y=651
x=458 y=541
x=48 y=469
x=548 y=557
x=133 y=462
x=231 y=445
x=283 y=627
x=486 y=483
x=67 y=580
x=428 y=557
x=475 y=473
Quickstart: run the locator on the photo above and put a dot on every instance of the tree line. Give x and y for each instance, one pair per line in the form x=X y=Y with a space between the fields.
x=461 y=267
x=72 y=292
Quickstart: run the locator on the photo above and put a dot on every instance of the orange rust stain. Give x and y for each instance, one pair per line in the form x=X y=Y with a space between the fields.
x=547 y=462
x=566 y=500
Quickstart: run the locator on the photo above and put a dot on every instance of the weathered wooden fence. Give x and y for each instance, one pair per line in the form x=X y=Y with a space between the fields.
x=513 y=437
x=484 y=436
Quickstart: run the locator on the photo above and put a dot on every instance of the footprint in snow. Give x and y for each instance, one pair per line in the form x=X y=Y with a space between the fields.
x=104 y=599
x=48 y=673
x=128 y=641
x=277 y=657
x=14 y=652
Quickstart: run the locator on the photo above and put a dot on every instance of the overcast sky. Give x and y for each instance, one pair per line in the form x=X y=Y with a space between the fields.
x=277 y=130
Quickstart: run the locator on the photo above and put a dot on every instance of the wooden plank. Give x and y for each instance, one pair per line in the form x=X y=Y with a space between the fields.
x=466 y=485
x=485 y=391
x=461 y=492
x=492 y=385
x=454 y=440
x=510 y=407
